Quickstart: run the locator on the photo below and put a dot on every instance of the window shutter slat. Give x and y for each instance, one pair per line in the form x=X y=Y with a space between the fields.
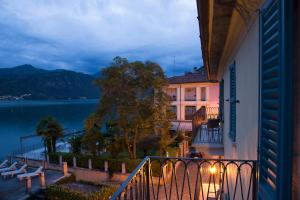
x=232 y=102
x=274 y=104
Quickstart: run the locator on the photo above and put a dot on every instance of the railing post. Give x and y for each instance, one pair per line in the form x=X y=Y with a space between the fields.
x=148 y=179
x=42 y=180
x=48 y=159
x=28 y=184
x=60 y=160
x=74 y=162
x=123 y=168
x=106 y=166
x=255 y=183
x=65 y=168
x=90 y=164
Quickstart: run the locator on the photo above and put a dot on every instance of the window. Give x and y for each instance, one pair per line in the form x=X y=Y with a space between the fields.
x=232 y=101
x=190 y=94
x=189 y=112
x=174 y=112
x=203 y=93
x=172 y=92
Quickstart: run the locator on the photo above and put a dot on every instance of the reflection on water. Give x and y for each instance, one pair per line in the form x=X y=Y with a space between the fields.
x=19 y=118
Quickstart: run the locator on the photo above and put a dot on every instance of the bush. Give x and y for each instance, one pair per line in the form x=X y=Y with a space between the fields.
x=98 y=163
x=53 y=158
x=69 y=179
x=173 y=151
x=56 y=192
x=104 y=194
x=132 y=164
x=67 y=157
x=82 y=161
x=156 y=168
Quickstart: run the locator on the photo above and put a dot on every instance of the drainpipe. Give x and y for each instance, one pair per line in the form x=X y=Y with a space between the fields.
x=180 y=102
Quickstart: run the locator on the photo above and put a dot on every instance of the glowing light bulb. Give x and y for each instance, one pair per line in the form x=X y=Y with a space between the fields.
x=212 y=169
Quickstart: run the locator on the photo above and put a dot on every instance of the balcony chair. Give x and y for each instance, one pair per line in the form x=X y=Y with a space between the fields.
x=3 y=164
x=10 y=168
x=14 y=172
x=29 y=175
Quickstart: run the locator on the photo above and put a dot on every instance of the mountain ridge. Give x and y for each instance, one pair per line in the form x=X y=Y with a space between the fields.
x=52 y=84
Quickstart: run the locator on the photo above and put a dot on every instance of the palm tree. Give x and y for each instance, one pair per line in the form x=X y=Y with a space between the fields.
x=50 y=130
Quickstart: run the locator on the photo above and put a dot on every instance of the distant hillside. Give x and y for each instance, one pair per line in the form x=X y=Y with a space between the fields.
x=46 y=84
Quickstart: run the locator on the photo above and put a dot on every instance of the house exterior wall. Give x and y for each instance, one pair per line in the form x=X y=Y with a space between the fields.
x=212 y=97
x=296 y=138
x=247 y=92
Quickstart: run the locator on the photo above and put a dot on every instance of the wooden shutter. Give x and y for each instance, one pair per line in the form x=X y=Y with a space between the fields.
x=232 y=132
x=275 y=104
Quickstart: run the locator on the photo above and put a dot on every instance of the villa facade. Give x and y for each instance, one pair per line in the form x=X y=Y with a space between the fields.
x=250 y=47
x=189 y=92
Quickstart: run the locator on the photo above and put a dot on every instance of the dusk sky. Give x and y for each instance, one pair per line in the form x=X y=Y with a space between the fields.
x=85 y=35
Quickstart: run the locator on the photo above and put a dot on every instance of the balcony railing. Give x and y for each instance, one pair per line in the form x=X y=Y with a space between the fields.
x=190 y=178
x=209 y=135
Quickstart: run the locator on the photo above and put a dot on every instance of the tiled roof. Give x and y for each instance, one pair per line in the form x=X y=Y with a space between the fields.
x=190 y=77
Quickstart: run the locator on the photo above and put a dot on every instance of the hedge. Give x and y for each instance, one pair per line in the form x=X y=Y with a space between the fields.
x=56 y=192
x=115 y=165
x=53 y=158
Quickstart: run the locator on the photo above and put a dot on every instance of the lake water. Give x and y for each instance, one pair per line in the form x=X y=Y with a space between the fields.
x=19 y=118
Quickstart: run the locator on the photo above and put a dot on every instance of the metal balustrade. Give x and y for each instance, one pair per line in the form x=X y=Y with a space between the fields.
x=190 y=178
x=209 y=135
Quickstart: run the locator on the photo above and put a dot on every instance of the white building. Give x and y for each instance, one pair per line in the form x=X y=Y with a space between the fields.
x=189 y=92
x=252 y=48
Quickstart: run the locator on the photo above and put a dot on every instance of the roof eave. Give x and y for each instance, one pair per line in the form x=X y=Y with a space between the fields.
x=214 y=19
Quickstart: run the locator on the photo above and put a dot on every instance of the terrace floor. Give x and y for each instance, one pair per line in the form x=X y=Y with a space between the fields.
x=13 y=189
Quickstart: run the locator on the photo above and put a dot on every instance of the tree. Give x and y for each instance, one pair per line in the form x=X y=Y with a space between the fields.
x=115 y=145
x=50 y=130
x=76 y=143
x=92 y=140
x=133 y=98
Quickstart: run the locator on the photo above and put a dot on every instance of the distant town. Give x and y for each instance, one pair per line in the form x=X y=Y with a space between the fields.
x=10 y=97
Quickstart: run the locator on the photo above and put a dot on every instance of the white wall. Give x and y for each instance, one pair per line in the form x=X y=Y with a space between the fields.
x=247 y=92
x=212 y=97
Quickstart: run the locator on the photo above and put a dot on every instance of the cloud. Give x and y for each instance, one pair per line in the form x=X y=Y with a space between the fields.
x=85 y=35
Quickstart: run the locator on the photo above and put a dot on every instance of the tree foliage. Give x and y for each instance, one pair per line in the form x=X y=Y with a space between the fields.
x=50 y=130
x=76 y=143
x=93 y=139
x=133 y=98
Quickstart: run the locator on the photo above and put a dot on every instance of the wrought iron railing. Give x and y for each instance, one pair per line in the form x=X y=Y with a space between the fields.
x=190 y=178
x=209 y=135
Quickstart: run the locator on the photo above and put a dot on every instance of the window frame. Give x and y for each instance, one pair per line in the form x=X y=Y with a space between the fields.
x=185 y=113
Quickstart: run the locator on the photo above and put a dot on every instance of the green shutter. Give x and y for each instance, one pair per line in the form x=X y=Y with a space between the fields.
x=275 y=104
x=232 y=101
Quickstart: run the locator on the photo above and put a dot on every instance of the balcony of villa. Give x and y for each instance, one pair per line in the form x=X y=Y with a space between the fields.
x=207 y=135
x=209 y=141
x=190 y=178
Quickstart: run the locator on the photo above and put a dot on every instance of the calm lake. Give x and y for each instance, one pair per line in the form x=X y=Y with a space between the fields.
x=19 y=118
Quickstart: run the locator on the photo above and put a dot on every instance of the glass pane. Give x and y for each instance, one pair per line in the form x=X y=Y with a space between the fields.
x=172 y=92
x=189 y=112
x=174 y=112
x=203 y=94
x=190 y=94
